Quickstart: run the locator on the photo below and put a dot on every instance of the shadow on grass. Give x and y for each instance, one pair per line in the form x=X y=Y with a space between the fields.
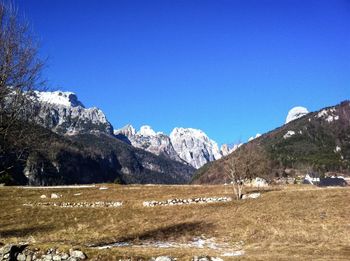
x=22 y=232
x=167 y=233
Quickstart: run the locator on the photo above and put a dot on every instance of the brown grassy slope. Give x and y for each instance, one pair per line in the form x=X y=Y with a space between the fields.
x=299 y=223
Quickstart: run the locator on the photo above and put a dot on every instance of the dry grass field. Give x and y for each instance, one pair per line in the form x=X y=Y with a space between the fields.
x=285 y=223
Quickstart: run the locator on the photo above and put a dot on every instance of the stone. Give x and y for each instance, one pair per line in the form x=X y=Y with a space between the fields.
x=201 y=258
x=47 y=257
x=6 y=249
x=56 y=258
x=77 y=254
x=55 y=196
x=252 y=195
x=21 y=257
x=164 y=258
x=64 y=256
x=43 y=196
x=216 y=259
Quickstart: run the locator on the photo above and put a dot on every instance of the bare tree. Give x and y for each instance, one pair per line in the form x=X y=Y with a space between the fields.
x=20 y=74
x=246 y=163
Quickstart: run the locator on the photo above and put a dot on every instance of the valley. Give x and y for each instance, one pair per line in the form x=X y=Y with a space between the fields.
x=294 y=222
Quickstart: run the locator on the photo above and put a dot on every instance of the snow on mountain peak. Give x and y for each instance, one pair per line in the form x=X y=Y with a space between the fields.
x=127 y=130
x=67 y=99
x=194 y=146
x=146 y=130
x=63 y=113
x=296 y=113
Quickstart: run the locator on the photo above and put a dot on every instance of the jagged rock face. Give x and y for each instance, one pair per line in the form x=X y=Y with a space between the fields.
x=63 y=113
x=184 y=145
x=146 y=138
x=194 y=146
x=296 y=113
x=225 y=150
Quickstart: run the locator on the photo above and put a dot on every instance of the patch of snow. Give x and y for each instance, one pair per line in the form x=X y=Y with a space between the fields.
x=322 y=113
x=146 y=130
x=216 y=259
x=195 y=243
x=253 y=138
x=67 y=99
x=331 y=118
x=288 y=134
x=328 y=115
x=234 y=253
x=296 y=113
x=337 y=149
x=58 y=187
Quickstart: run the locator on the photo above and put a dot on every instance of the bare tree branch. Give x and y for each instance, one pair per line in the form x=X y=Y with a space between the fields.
x=20 y=74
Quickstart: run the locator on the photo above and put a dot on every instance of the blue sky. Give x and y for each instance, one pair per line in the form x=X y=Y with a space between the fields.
x=230 y=68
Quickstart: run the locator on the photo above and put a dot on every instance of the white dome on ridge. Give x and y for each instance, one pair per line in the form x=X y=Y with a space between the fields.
x=296 y=113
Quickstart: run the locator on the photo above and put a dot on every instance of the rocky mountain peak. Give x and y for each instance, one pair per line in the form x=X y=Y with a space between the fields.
x=127 y=131
x=63 y=113
x=194 y=146
x=68 y=99
x=146 y=130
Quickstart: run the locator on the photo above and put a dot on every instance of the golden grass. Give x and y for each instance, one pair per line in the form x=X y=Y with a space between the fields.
x=285 y=223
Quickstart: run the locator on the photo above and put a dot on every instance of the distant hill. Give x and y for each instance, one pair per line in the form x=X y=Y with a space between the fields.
x=317 y=141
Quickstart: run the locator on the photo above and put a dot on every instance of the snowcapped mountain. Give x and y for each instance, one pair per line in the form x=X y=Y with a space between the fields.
x=194 y=146
x=68 y=99
x=296 y=113
x=63 y=113
x=184 y=144
x=146 y=138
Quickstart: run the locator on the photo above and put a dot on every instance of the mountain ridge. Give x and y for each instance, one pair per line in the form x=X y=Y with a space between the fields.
x=317 y=142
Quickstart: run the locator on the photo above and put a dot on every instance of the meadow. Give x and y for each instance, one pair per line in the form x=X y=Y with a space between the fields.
x=296 y=222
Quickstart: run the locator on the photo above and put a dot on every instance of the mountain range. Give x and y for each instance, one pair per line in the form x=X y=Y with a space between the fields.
x=187 y=145
x=69 y=144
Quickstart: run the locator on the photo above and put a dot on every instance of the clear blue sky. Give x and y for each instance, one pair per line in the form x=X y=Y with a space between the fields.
x=230 y=68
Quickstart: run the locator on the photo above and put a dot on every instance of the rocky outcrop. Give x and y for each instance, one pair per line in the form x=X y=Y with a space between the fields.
x=186 y=145
x=63 y=113
x=147 y=139
x=194 y=146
